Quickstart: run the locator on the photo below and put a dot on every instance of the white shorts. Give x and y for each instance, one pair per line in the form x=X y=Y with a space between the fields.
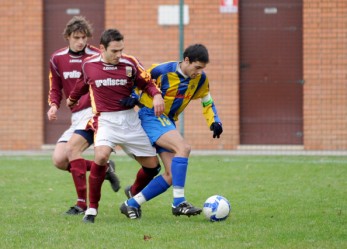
x=79 y=121
x=123 y=128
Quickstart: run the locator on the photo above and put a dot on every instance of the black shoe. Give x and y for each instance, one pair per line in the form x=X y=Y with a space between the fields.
x=127 y=192
x=130 y=212
x=75 y=210
x=90 y=215
x=112 y=177
x=185 y=208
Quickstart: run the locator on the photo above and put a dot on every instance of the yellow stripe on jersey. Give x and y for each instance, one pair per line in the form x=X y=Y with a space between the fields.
x=92 y=99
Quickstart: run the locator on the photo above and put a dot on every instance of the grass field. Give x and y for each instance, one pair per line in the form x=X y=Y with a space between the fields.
x=277 y=202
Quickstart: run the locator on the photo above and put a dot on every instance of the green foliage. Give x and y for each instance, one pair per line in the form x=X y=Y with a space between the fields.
x=277 y=202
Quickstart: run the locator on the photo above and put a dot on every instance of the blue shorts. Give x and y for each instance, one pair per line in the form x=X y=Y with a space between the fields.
x=87 y=134
x=154 y=126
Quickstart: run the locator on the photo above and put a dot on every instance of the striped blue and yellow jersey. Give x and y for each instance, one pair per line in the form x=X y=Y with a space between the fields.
x=178 y=91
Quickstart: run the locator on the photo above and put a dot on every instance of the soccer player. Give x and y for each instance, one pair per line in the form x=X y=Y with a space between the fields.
x=180 y=82
x=65 y=69
x=110 y=77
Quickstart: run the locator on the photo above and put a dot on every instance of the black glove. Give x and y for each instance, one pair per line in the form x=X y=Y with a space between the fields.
x=129 y=102
x=217 y=129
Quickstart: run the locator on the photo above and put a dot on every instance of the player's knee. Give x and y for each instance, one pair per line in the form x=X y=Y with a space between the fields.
x=59 y=163
x=187 y=148
x=183 y=150
x=152 y=171
x=101 y=158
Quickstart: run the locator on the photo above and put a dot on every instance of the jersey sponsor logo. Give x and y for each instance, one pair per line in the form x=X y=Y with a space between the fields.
x=110 y=82
x=109 y=68
x=72 y=75
x=75 y=61
x=178 y=94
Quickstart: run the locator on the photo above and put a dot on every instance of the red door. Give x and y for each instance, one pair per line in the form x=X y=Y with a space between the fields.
x=271 y=84
x=57 y=13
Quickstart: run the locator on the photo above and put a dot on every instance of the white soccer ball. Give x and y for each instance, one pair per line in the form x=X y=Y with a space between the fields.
x=216 y=208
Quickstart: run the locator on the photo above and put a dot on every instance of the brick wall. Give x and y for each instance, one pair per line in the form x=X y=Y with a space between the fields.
x=325 y=74
x=21 y=44
x=325 y=67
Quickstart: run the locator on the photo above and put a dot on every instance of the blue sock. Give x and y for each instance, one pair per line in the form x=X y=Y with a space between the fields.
x=155 y=187
x=131 y=202
x=179 y=167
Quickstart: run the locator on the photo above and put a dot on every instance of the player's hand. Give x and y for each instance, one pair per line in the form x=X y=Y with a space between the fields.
x=52 y=113
x=158 y=104
x=130 y=102
x=217 y=129
x=70 y=103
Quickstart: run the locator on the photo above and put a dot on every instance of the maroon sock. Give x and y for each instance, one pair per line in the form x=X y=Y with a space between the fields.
x=96 y=178
x=141 y=181
x=89 y=164
x=78 y=172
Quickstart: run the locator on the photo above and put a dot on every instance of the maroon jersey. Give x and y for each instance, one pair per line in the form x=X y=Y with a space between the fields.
x=65 y=69
x=108 y=83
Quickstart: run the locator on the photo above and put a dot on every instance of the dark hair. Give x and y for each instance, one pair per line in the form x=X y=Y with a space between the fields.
x=78 y=24
x=196 y=52
x=110 y=35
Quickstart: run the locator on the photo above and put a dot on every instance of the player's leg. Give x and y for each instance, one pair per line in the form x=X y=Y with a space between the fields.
x=156 y=186
x=139 y=146
x=145 y=174
x=137 y=143
x=59 y=157
x=154 y=127
x=61 y=160
x=96 y=179
x=173 y=141
x=78 y=143
x=166 y=157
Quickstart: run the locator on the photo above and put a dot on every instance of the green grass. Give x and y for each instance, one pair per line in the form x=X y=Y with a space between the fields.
x=277 y=202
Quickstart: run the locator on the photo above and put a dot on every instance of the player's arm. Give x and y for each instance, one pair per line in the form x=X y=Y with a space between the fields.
x=211 y=115
x=55 y=91
x=79 y=90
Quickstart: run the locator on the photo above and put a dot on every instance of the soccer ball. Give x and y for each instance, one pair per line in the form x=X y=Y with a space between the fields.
x=216 y=208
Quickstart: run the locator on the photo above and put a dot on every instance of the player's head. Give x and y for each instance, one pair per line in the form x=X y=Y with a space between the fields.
x=77 y=32
x=195 y=59
x=111 y=45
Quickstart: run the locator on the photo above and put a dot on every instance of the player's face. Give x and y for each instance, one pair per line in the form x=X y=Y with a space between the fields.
x=77 y=41
x=113 y=53
x=193 y=69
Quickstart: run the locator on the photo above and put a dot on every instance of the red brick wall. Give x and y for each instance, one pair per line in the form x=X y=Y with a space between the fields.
x=325 y=67
x=325 y=74
x=21 y=107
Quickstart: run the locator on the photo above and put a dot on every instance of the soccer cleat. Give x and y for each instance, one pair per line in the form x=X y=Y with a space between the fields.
x=185 y=208
x=130 y=212
x=90 y=215
x=75 y=210
x=112 y=177
x=127 y=192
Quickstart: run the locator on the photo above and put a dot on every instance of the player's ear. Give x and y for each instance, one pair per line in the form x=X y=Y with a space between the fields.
x=186 y=59
x=102 y=48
